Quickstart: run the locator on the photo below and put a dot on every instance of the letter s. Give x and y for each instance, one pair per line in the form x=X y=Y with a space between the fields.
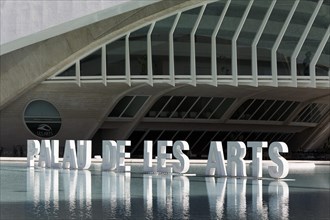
x=282 y=168
x=184 y=164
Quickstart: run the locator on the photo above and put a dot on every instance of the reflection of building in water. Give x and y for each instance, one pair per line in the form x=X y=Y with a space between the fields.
x=156 y=196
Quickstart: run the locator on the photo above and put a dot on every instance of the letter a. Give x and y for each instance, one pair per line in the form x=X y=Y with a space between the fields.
x=216 y=161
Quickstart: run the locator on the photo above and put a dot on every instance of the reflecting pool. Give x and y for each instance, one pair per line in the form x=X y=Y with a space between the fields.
x=38 y=193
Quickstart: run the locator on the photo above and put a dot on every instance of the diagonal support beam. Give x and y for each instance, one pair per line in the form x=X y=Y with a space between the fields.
x=278 y=41
x=254 y=58
x=214 y=44
x=317 y=56
x=234 y=44
x=301 y=42
x=192 y=47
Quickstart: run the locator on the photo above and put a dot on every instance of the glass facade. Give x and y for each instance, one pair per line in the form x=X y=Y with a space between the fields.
x=288 y=30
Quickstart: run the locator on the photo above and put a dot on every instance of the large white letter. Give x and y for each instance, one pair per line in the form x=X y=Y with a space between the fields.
x=282 y=168
x=109 y=155
x=121 y=155
x=147 y=157
x=84 y=154
x=257 y=156
x=162 y=156
x=236 y=151
x=70 y=155
x=216 y=161
x=55 y=148
x=33 y=148
x=45 y=159
x=184 y=164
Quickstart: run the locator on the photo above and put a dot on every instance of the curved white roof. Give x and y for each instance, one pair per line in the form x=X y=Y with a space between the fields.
x=26 y=22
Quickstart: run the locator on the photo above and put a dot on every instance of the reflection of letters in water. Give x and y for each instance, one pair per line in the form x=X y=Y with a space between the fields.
x=228 y=197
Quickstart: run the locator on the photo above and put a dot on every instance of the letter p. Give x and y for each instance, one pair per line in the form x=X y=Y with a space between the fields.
x=33 y=148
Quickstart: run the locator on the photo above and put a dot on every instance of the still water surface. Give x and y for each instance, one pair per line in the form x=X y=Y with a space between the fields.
x=92 y=194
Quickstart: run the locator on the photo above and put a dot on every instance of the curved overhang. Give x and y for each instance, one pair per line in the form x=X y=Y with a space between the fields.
x=16 y=37
x=18 y=72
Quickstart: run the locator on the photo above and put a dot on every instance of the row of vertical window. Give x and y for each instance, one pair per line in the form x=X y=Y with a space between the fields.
x=116 y=58
x=264 y=110
x=279 y=110
x=190 y=107
x=194 y=107
x=199 y=141
x=312 y=113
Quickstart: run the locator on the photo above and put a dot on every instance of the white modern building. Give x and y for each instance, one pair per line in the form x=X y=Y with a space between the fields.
x=166 y=70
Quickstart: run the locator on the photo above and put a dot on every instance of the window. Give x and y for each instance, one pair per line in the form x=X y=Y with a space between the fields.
x=190 y=107
x=182 y=41
x=312 y=113
x=42 y=119
x=116 y=58
x=154 y=111
x=138 y=51
x=203 y=37
x=265 y=110
x=71 y=71
x=91 y=65
x=160 y=46
x=171 y=106
x=135 y=106
x=184 y=107
x=128 y=106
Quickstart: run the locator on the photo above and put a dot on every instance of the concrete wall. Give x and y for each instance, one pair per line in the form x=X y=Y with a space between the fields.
x=81 y=109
